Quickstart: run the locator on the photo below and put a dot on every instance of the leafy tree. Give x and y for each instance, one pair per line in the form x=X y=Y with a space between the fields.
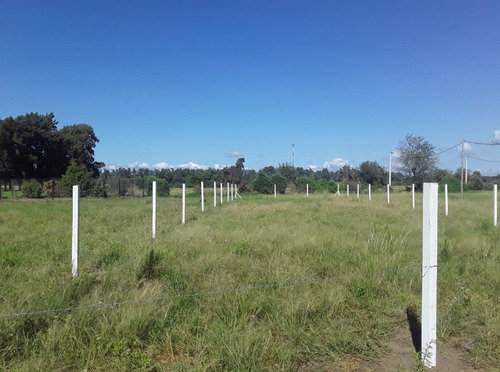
x=269 y=170
x=262 y=183
x=280 y=182
x=416 y=155
x=302 y=183
x=288 y=171
x=77 y=175
x=79 y=141
x=371 y=172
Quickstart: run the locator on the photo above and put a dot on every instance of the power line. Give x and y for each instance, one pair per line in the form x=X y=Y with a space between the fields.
x=491 y=161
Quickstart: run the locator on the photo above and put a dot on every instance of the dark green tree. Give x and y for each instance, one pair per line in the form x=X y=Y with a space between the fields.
x=79 y=141
x=77 y=175
x=280 y=182
x=371 y=172
x=262 y=183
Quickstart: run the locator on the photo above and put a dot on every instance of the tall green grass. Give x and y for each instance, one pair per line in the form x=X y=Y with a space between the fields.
x=348 y=270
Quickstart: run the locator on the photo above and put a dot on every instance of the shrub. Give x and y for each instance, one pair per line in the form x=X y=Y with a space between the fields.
x=280 y=182
x=162 y=187
x=452 y=182
x=262 y=184
x=77 y=175
x=302 y=183
x=32 y=189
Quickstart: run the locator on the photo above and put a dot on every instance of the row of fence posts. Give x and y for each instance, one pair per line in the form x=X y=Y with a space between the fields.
x=429 y=251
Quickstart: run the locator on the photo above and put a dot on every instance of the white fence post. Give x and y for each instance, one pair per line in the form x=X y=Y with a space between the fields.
x=202 y=197
x=429 y=274
x=221 y=191
x=274 y=191
x=75 y=241
x=347 y=190
x=369 y=191
x=413 y=195
x=154 y=209
x=215 y=194
x=232 y=191
x=495 y=204
x=307 y=190
x=357 y=190
x=183 y=203
x=227 y=191
x=446 y=199
x=388 y=194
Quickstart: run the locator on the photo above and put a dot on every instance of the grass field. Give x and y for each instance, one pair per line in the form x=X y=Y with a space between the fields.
x=347 y=270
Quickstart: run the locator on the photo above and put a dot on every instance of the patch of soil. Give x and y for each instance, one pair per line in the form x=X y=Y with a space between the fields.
x=401 y=357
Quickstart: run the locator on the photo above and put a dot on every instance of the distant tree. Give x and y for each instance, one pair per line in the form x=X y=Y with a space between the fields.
x=280 y=182
x=371 y=172
x=302 y=183
x=78 y=175
x=416 y=155
x=79 y=141
x=262 y=183
x=269 y=170
x=288 y=171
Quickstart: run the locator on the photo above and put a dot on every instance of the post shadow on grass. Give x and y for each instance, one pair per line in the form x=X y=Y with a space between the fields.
x=415 y=328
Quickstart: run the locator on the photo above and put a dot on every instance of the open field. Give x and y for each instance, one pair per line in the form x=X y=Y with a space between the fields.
x=303 y=284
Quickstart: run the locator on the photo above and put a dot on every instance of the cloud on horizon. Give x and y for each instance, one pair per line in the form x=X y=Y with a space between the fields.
x=234 y=154
x=336 y=164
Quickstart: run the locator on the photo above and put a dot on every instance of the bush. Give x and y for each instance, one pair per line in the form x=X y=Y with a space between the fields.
x=280 y=182
x=302 y=183
x=452 y=182
x=262 y=184
x=162 y=187
x=32 y=189
x=77 y=175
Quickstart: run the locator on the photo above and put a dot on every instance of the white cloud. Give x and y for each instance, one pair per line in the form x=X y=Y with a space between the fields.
x=161 y=165
x=112 y=167
x=192 y=165
x=312 y=167
x=497 y=135
x=234 y=154
x=336 y=163
x=138 y=165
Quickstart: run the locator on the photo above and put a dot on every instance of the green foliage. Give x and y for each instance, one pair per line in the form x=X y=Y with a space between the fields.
x=32 y=147
x=262 y=184
x=77 y=175
x=162 y=187
x=452 y=182
x=416 y=156
x=302 y=182
x=280 y=182
x=371 y=172
x=32 y=189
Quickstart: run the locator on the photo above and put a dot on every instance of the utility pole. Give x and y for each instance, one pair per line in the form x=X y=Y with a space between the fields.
x=466 y=167
x=462 y=172
x=390 y=168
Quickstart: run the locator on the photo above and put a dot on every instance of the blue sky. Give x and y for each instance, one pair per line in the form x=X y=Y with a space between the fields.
x=201 y=83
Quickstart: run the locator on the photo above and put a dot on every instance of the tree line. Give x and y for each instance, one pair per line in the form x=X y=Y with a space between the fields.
x=47 y=160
